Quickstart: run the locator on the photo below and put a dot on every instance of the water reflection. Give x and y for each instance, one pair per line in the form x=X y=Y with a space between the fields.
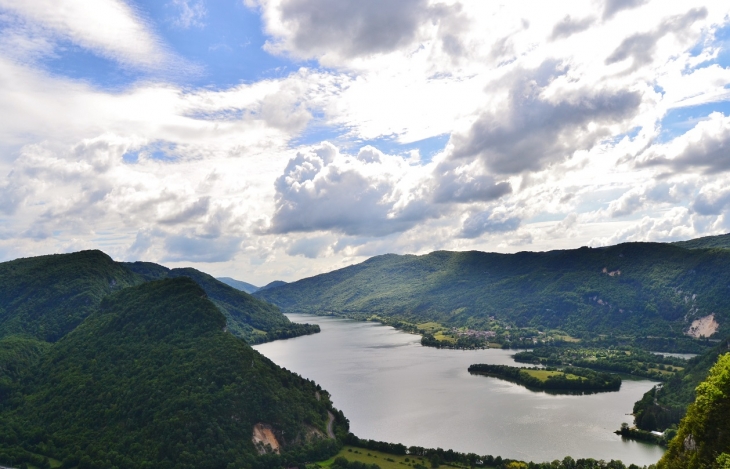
x=393 y=389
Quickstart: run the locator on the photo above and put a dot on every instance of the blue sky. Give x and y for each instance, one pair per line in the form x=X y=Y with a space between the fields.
x=275 y=139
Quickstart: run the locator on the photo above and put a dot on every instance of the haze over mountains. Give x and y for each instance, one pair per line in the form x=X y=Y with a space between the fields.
x=238 y=284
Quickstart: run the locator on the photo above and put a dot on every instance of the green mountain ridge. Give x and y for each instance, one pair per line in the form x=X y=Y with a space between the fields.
x=46 y=297
x=248 y=317
x=667 y=403
x=238 y=284
x=651 y=289
x=274 y=284
x=706 y=242
x=152 y=379
x=703 y=437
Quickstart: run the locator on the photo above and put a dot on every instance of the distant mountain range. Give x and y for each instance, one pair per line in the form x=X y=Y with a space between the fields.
x=249 y=318
x=632 y=289
x=238 y=285
x=48 y=296
x=274 y=284
x=247 y=287
x=133 y=365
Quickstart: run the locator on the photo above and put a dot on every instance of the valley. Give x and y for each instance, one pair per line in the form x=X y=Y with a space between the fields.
x=660 y=291
x=91 y=349
x=393 y=389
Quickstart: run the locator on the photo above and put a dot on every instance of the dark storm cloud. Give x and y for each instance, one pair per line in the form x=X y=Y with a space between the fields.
x=642 y=46
x=310 y=248
x=569 y=26
x=614 y=6
x=353 y=27
x=488 y=222
x=711 y=203
x=461 y=185
x=195 y=210
x=533 y=131
x=198 y=249
x=710 y=152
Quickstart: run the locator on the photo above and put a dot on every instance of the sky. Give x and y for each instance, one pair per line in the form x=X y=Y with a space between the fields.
x=278 y=139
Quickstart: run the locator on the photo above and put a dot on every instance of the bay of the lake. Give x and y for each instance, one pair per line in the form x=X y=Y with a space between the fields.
x=393 y=389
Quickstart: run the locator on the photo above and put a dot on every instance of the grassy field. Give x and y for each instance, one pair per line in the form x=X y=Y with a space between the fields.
x=384 y=460
x=429 y=327
x=565 y=338
x=662 y=372
x=543 y=375
x=440 y=336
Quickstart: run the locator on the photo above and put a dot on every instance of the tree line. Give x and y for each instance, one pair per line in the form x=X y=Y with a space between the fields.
x=586 y=380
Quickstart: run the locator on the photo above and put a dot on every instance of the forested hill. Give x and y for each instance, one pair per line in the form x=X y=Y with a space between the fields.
x=152 y=379
x=238 y=284
x=706 y=242
x=648 y=289
x=666 y=404
x=703 y=438
x=46 y=297
x=248 y=317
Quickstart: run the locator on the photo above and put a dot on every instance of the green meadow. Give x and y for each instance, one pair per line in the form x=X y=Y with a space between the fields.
x=384 y=460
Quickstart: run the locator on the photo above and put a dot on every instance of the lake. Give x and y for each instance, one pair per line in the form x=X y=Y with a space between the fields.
x=683 y=356
x=393 y=389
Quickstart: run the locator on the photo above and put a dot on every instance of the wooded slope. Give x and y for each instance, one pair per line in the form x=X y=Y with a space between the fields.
x=647 y=289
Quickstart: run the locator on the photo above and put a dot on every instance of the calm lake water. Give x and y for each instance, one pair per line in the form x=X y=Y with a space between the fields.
x=684 y=356
x=393 y=389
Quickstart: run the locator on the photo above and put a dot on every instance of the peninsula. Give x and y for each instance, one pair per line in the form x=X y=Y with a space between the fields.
x=552 y=379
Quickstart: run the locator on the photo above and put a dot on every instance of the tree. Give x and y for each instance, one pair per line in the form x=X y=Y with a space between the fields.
x=704 y=434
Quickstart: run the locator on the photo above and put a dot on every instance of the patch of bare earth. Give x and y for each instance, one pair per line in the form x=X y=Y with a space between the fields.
x=703 y=327
x=264 y=439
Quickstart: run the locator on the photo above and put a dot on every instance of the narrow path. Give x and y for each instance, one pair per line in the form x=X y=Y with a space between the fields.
x=330 y=423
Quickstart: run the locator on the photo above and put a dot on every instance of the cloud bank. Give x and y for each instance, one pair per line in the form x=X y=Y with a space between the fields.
x=364 y=128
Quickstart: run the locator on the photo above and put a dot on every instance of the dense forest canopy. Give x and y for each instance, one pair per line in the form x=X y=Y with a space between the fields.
x=703 y=438
x=152 y=379
x=706 y=242
x=48 y=296
x=648 y=289
x=667 y=403
x=107 y=364
x=248 y=317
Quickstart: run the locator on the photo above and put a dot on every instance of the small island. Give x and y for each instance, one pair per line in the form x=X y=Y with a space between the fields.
x=551 y=379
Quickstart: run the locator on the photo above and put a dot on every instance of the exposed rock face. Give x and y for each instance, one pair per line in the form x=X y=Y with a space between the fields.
x=264 y=439
x=689 y=443
x=703 y=327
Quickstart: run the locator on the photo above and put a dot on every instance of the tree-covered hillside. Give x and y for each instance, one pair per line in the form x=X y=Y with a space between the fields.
x=703 y=438
x=248 y=317
x=666 y=404
x=706 y=242
x=238 y=284
x=48 y=296
x=647 y=289
x=17 y=355
x=152 y=379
